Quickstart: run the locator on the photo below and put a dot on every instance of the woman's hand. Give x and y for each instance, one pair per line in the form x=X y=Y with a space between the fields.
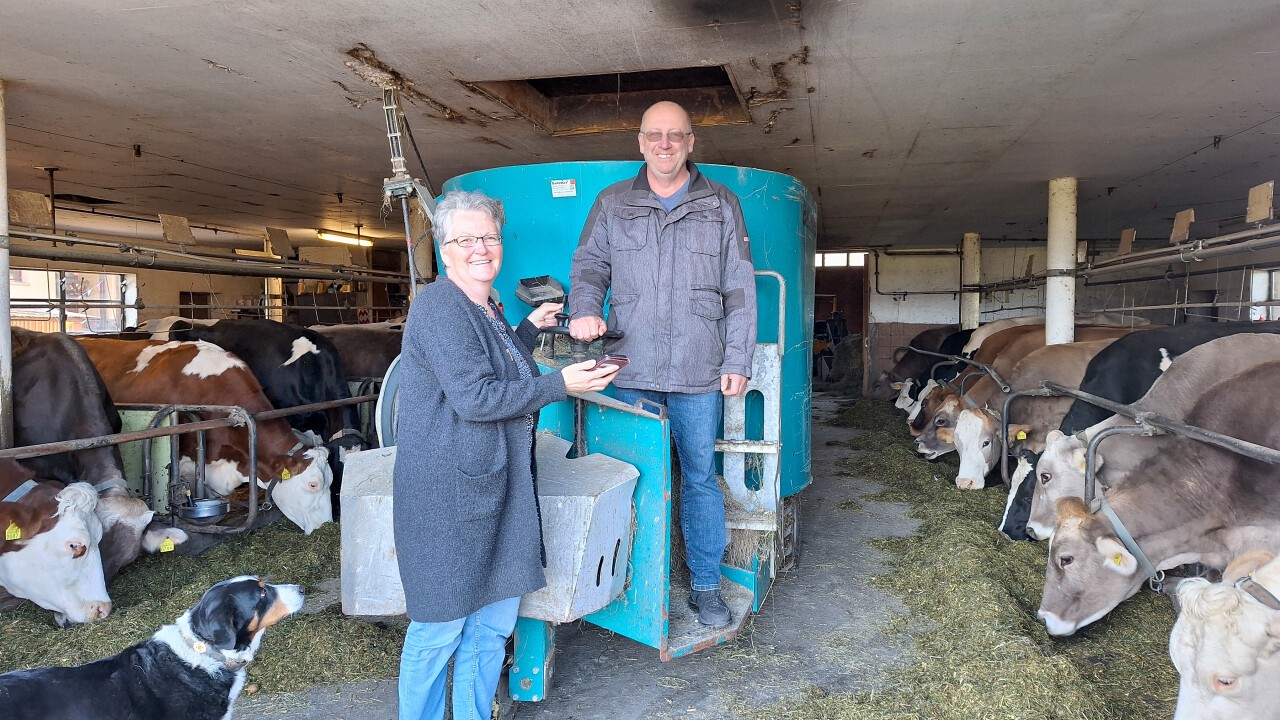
x=545 y=314
x=578 y=379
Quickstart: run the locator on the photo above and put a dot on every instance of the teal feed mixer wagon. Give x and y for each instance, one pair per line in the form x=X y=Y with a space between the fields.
x=607 y=510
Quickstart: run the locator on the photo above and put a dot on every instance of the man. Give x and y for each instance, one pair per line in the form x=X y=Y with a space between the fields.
x=671 y=248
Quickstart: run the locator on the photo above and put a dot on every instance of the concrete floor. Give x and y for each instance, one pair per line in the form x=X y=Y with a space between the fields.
x=819 y=628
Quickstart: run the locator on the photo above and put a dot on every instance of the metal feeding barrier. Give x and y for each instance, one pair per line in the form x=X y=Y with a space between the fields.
x=1145 y=423
x=236 y=417
x=984 y=367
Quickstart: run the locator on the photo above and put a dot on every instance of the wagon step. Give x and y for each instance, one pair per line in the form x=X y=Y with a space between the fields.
x=686 y=635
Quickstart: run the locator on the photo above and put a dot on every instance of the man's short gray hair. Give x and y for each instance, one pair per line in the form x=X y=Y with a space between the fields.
x=458 y=200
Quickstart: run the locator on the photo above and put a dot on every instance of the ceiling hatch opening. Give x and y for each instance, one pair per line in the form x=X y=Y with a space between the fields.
x=585 y=104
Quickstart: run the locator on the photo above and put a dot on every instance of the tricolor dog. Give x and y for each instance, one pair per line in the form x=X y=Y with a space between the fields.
x=190 y=670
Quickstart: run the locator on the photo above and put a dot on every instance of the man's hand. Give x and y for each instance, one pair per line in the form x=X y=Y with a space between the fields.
x=587 y=328
x=544 y=315
x=733 y=385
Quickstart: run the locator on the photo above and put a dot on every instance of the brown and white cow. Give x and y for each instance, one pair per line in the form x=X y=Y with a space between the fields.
x=935 y=425
x=1061 y=469
x=1226 y=643
x=1191 y=503
x=58 y=395
x=977 y=431
x=200 y=373
x=908 y=365
x=49 y=550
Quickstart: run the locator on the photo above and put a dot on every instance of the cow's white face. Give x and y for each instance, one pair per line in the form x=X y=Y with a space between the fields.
x=913 y=407
x=1226 y=647
x=304 y=498
x=1060 y=473
x=903 y=400
x=975 y=440
x=1088 y=573
x=61 y=569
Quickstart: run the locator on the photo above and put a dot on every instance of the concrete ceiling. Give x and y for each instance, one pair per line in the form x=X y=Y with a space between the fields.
x=911 y=121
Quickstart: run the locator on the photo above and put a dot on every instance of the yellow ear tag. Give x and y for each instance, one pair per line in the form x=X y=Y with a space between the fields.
x=285 y=474
x=166 y=545
x=13 y=532
x=1022 y=435
x=1117 y=559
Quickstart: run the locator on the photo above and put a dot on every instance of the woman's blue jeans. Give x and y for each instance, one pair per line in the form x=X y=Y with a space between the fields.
x=695 y=425
x=478 y=644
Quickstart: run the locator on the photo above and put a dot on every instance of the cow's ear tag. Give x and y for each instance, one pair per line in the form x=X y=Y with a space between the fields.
x=1117 y=559
x=1022 y=435
x=13 y=532
x=166 y=545
x=285 y=474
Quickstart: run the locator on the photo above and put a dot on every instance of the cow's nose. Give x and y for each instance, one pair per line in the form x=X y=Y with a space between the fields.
x=98 y=611
x=1031 y=533
x=967 y=484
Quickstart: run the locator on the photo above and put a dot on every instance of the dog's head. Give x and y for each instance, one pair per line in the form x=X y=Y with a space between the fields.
x=232 y=614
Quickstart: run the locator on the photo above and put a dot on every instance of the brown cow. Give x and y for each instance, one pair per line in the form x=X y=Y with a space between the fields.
x=200 y=373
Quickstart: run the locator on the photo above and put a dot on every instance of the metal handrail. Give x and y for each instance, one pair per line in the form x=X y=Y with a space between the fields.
x=1004 y=426
x=1004 y=386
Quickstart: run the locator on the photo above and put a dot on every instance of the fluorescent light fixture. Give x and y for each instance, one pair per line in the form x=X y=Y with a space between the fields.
x=344 y=238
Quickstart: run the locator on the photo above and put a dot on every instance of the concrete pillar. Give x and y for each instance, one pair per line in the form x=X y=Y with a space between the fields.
x=970 y=274
x=1060 y=287
x=6 y=339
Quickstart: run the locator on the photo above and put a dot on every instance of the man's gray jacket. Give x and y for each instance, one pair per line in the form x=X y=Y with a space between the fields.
x=682 y=283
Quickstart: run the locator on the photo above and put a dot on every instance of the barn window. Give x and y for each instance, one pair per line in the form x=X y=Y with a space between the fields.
x=71 y=301
x=852 y=259
x=584 y=104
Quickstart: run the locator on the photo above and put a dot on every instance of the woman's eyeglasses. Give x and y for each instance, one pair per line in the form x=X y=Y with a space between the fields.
x=469 y=241
x=675 y=136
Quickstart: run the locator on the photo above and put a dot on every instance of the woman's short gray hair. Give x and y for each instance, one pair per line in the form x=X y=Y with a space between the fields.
x=458 y=200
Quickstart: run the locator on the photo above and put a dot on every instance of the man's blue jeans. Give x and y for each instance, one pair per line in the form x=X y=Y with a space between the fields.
x=478 y=644
x=695 y=425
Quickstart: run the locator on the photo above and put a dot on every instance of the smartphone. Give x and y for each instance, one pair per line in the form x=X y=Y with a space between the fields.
x=618 y=361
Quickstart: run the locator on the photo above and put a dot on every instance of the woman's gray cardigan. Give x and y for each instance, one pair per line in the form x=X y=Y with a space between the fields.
x=466 y=521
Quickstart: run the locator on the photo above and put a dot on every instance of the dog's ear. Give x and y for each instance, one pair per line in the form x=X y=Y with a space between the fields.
x=214 y=619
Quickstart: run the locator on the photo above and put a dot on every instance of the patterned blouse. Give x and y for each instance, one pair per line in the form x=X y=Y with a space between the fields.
x=521 y=364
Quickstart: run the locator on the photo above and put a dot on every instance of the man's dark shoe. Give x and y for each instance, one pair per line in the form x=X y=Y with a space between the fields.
x=711 y=608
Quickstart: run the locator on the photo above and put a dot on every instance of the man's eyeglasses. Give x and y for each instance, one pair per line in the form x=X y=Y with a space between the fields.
x=675 y=136
x=469 y=241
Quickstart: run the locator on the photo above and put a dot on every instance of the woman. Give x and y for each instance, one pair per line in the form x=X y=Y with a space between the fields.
x=468 y=535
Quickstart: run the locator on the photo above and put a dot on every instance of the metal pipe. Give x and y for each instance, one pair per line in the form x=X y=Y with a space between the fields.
x=1189 y=253
x=782 y=305
x=1229 y=239
x=1060 y=282
x=1004 y=386
x=1091 y=453
x=1004 y=426
x=239 y=260
x=6 y=339
x=313 y=407
x=1226 y=442
x=237 y=267
x=62 y=446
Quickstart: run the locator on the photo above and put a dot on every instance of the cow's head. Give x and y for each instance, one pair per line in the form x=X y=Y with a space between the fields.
x=304 y=496
x=935 y=426
x=1226 y=645
x=885 y=386
x=1060 y=473
x=1089 y=571
x=976 y=439
x=60 y=569
x=1017 y=507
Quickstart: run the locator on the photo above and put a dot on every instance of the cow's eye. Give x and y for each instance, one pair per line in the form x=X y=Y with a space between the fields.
x=1065 y=560
x=986 y=443
x=1225 y=683
x=940 y=422
x=1045 y=478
